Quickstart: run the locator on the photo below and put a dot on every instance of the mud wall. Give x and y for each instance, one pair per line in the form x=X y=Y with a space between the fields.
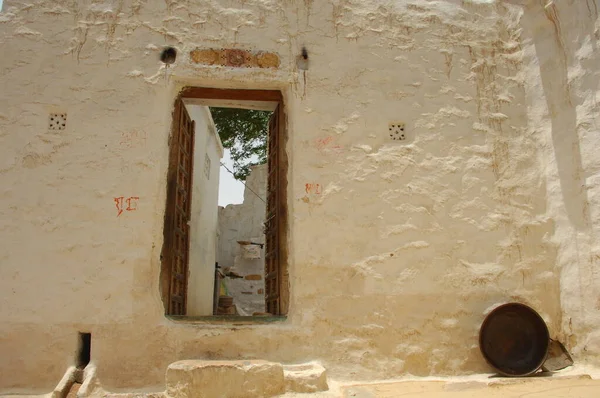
x=418 y=236
x=561 y=41
x=245 y=222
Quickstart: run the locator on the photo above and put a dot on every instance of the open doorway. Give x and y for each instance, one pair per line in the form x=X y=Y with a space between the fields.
x=226 y=260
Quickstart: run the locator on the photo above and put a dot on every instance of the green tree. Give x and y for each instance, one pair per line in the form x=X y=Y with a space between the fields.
x=244 y=132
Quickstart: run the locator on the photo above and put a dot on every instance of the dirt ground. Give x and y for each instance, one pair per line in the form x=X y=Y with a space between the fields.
x=568 y=388
x=575 y=382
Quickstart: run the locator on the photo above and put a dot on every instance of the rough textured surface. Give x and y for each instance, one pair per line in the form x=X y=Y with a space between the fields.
x=561 y=388
x=396 y=247
x=305 y=378
x=245 y=222
x=224 y=379
x=562 y=71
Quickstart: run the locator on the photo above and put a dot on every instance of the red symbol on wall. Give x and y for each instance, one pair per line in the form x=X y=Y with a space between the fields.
x=323 y=142
x=325 y=145
x=130 y=201
x=313 y=188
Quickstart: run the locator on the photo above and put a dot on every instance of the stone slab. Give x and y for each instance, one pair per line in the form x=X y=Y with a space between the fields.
x=305 y=378
x=532 y=387
x=224 y=379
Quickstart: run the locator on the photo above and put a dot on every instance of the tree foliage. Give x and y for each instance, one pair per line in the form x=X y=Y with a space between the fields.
x=244 y=132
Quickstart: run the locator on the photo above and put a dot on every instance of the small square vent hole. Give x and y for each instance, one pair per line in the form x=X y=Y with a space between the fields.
x=397 y=131
x=57 y=121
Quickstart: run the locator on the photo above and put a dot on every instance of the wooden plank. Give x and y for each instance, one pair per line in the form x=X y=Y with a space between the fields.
x=178 y=299
x=271 y=275
x=180 y=277
x=235 y=319
x=187 y=131
x=282 y=166
x=272 y=263
x=231 y=94
x=174 y=281
x=168 y=230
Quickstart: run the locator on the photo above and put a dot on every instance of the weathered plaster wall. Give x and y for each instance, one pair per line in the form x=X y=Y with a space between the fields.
x=204 y=213
x=245 y=222
x=561 y=41
x=418 y=238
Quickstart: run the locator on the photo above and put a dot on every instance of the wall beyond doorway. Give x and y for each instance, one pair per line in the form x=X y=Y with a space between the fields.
x=208 y=151
x=244 y=222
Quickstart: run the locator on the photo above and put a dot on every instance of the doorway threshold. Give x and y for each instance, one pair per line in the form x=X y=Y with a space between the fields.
x=228 y=319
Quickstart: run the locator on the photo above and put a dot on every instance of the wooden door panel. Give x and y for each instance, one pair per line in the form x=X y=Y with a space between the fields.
x=275 y=260
x=175 y=258
x=175 y=255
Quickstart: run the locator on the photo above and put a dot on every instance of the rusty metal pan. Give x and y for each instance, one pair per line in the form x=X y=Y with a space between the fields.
x=514 y=340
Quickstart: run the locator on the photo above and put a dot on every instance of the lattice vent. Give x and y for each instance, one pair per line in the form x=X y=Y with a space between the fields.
x=57 y=121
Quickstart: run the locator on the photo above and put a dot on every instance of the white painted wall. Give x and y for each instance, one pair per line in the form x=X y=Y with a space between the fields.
x=561 y=65
x=204 y=215
x=397 y=253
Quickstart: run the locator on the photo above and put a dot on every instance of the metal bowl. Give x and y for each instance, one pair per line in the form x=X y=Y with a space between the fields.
x=514 y=340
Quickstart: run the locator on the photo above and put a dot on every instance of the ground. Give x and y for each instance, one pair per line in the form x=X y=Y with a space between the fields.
x=575 y=382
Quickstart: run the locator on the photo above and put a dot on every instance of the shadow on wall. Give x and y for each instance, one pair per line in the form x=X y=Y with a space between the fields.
x=551 y=50
x=566 y=48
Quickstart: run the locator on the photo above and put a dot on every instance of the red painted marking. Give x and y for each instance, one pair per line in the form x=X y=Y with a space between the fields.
x=310 y=188
x=119 y=204
x=134 y=199
x=324 y=145
x=323 y=142
x=131 y=204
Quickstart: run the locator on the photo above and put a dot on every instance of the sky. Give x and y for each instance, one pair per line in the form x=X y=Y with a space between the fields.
x=231 y=191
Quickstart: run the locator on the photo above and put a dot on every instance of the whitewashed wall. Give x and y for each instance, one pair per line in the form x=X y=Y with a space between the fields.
x=561 y=46
x=204 y=214
x=396 y=249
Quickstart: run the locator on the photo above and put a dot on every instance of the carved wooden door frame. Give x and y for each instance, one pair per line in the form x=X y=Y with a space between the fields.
x=276 y=261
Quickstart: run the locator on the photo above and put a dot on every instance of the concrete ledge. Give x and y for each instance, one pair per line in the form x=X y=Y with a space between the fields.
x=233 y=379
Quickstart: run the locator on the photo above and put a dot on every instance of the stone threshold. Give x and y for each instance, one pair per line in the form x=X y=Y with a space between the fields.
x=226 y=319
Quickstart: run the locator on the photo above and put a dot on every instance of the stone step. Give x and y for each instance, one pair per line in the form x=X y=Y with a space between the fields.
x=224 y=379
x=305 y=378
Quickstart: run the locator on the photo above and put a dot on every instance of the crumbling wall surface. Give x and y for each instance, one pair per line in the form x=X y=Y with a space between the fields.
x=562 y=58
x=245 y=222
x=396 y=247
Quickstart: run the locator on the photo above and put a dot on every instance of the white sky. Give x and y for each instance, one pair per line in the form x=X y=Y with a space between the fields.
x=231 y=191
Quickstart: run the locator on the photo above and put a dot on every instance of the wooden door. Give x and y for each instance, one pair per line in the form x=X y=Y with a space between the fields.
x=175 y=256
x=276 y=277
